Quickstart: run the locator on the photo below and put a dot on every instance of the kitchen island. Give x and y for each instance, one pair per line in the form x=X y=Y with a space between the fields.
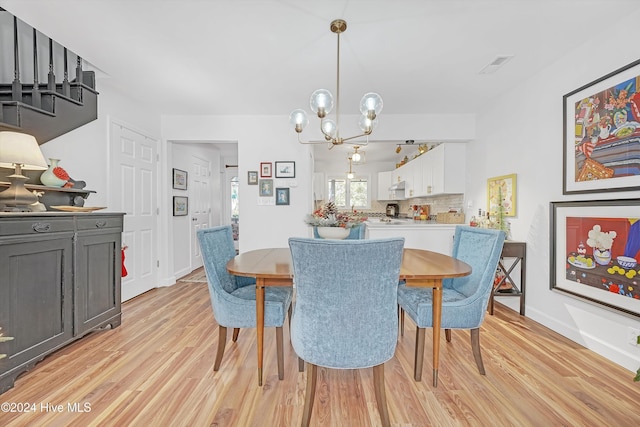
x=428 y=235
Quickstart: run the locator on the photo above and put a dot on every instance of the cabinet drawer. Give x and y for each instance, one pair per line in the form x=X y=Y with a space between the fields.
x=43 y=225
x=98 y=222
x=513 y=250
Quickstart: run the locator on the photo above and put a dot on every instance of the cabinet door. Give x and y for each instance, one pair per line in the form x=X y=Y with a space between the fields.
x=384 y=182
x=97 y=280
x=35 y=299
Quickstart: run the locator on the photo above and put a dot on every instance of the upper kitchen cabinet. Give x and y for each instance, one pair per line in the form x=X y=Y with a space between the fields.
x=385 y=180
x=448 y=166
x=440 y=170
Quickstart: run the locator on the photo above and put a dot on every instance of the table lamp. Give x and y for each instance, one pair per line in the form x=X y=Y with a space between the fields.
x=19 y=151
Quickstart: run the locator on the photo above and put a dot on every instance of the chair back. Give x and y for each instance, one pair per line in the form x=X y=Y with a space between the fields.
x=345 y=314
x=481 y=249
x=216 y=246
x=355 y=233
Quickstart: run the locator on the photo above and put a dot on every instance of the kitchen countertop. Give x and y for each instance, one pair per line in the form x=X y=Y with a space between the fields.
x=406 y=223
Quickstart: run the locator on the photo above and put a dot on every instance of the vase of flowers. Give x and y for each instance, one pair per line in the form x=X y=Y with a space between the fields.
x=332 y=224
x=601 y=243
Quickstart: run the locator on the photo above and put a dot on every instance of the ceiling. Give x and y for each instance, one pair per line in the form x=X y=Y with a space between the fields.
x=265 y=57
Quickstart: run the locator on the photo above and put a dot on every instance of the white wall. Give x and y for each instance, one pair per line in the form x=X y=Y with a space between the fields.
x=522 y=133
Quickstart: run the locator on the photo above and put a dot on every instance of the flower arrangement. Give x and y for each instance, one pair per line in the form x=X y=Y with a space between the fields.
x=599 y=239
x=328 y=216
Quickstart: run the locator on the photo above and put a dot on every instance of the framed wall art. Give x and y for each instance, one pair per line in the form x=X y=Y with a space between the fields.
x=265 y=170
x=252 y=177
x=266 y=188
x=282 y=196
x=502 y=189
x=180 y=206
x=285 y=169
x=602 y=134
x=595 y=247
x=179 y=179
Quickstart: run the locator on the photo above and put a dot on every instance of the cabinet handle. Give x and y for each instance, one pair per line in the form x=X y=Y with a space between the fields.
x=41 y=227
x=101 y=224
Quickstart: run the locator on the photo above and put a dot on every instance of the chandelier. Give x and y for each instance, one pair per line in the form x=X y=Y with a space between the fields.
x=322 y=104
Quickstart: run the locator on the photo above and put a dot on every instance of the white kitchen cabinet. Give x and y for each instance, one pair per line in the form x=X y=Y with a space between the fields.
x=438 y=171
x=384 y=182
x=448 y=168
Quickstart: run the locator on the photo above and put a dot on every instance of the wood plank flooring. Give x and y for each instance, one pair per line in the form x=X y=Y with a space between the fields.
x=157 y=370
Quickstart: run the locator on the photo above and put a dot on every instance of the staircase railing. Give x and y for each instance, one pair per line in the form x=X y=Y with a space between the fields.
x=43 y=110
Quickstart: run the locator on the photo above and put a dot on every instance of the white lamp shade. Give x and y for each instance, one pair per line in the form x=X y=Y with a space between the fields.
x=20 y=149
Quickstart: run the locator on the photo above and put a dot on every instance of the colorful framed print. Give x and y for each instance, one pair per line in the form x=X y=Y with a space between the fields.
x=179 y=179
x=501 y=194
x=282 y=196
x=252 y=177
x=180 y=206
x=265 y=170
x=266 y=187
x=602 y=134
x=285 y=169
x=595 y=247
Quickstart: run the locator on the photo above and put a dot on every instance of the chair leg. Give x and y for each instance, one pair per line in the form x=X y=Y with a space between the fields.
x=447 y=334
x=419 y=356
x=300 y=364
x=309 y=395
x=222 y=341
x=381 y=397
x=236 y=332
x=475 y=347
x=280 y=351
x=290 y=311
x=401 y=315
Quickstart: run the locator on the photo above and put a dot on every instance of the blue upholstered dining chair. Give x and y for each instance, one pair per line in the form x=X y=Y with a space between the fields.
x=233 y=298
x=356 y=233
x=464 y=299
x=345 y=313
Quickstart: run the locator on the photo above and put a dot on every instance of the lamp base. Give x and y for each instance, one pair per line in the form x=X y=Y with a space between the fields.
x=17 y=198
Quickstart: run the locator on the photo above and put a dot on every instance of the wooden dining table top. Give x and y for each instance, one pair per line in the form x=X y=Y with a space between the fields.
x=275 y=264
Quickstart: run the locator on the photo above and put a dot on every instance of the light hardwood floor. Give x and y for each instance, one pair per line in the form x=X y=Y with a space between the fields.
x=157 y=370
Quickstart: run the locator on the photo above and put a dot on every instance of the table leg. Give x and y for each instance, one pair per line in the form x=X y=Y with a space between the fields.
x=437 y=321
x=260 y=324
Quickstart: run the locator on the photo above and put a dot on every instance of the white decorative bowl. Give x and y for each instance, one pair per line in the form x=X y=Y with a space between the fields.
x=626 y=262
x=336 y=233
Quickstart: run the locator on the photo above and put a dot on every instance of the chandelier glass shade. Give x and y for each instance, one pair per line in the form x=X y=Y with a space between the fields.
x=322 y=103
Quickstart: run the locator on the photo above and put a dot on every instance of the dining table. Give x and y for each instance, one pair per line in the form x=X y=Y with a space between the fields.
x=423 y=268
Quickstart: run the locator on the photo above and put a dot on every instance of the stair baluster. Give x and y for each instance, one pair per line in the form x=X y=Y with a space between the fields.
x=51 y=77
x=66 y=87
x=16 y=86
x=36 y=99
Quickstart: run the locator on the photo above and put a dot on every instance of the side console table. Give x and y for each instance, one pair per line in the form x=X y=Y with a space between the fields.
x=516 y=253
x=60 y=276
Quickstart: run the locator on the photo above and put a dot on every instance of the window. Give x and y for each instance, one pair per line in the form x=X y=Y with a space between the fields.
x=349 y=193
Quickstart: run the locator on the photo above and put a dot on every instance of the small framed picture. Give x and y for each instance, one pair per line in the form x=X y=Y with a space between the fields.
x=180 y=206
x=285 y=169
x=265 y=170
x=252 y=177
x=179 y=179
x=266 y=188
x=282 y=196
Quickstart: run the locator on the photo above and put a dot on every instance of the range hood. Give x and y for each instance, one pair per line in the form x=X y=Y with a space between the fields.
x=397 y=186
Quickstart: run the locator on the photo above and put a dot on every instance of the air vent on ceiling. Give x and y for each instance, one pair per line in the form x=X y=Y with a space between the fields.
x=498 y=62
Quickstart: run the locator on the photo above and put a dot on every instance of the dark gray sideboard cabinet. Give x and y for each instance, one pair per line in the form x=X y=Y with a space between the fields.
x=59 y=280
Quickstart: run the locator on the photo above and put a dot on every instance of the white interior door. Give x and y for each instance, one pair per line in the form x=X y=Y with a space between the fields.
x=200 y=192
x=134 y=192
